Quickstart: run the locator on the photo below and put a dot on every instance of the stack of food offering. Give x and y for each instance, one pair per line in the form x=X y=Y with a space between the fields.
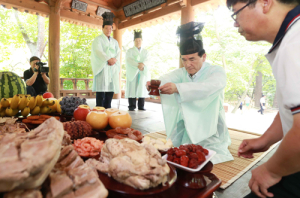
x=36 y=119
x=27 y=104
x=27 y=159
x=9 y=125
x=129 y=162
x=122 y=132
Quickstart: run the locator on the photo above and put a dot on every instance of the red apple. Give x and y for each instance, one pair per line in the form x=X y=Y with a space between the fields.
x=84 y=106
x=48 y=95
x=80 y=113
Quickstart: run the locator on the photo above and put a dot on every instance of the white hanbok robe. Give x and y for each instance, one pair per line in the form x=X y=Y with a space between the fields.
x=106 y=78
x=196 y=115
x=136 y=79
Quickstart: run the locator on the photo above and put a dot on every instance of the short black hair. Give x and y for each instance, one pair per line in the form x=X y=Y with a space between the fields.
x=105 y=25
x=201 y=52
x=33 y=58
x=231 y=3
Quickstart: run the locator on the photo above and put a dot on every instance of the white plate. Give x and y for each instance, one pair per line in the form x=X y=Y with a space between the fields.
x=208 y=157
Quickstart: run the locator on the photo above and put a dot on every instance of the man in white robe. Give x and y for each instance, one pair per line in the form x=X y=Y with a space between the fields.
x=105 y=60
x=192 y=98
x=137 y=73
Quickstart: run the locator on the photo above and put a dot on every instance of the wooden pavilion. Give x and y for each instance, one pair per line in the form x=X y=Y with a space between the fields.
x=88 y=13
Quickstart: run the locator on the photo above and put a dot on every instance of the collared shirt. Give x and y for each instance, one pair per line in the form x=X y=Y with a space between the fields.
x=193 y=77
x=284 y=59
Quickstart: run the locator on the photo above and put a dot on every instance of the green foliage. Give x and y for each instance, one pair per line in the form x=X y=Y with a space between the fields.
x=241 y=59
x=223 y=44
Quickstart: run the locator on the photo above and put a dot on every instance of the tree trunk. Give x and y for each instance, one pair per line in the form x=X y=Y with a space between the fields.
x=41 y=36
x=36 y=48
x=245 y=92
x=258 y=89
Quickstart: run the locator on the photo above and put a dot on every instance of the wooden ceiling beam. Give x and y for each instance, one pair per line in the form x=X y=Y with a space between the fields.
x=197 y=2
x=120 y=13
x=102 y=4
x=77 y=17
x=31 y=6
x=150 y=16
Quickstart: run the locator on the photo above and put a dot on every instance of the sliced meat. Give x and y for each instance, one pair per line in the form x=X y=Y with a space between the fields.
x=60 y=184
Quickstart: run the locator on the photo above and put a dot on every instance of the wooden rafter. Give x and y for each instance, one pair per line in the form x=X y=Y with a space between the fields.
x=57 y=5
x=150 y=16
x=102 y=4
x=77 y=17
x=183 y=3
x=28 y=5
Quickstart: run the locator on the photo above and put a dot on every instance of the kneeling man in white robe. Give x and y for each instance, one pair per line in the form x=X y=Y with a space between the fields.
x=192 y=98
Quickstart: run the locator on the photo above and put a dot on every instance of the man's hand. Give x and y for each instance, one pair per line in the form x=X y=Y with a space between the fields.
x=111 y=61
x=37 y=68
x=261 y=180
x=168 y=88
x=141 y=66
x=148 y=83
x=250 y=146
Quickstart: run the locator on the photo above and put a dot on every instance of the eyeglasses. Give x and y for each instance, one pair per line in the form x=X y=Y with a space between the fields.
x=233 y=16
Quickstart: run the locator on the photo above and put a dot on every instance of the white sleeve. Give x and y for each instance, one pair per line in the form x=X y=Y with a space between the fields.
x=97 y=48
x=288 y=70
x=214 y=84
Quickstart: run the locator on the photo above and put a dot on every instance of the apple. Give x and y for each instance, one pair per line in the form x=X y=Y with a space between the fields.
x=98 y=109
x=84 y=106
x=97 y=119
x=48 y=95
x=120 y=119
x=81 y=113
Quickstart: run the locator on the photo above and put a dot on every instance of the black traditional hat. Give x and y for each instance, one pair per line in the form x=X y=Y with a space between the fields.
x=190 y=38
x=108 y=18
x=137 y=33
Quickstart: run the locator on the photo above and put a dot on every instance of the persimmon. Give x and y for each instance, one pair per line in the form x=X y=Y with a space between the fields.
x=97 y=119
x=120 y=119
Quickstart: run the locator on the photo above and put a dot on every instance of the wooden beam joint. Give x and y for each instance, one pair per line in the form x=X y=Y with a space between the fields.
x=183 y=3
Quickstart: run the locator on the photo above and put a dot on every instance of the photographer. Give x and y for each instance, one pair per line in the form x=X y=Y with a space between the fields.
x=35 y=80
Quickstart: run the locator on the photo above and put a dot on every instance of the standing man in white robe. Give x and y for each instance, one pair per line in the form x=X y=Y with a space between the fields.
x=277 y=22
x=192 y=98
x=105 y=60
x=137 y=73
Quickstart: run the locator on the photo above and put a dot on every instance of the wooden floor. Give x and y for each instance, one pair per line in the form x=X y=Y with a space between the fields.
x=151 y=120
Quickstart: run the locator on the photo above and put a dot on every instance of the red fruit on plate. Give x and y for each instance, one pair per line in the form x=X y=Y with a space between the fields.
x=170 y=158
x=184 y=160
x=205 y=151
x=193 y=163
x=80 y=113
x=180 y=153
x=176 y=160
x=48 y=95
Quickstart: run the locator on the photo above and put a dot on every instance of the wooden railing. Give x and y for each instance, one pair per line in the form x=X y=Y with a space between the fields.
x=86 y=93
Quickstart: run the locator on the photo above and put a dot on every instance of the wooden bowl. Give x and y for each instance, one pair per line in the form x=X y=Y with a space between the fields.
x=153 y=90
x=155 y=82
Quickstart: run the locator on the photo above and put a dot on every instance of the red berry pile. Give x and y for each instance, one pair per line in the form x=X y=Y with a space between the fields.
x=189 y=155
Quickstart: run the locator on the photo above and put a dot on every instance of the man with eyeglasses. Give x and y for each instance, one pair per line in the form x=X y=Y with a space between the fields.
x=277 y=22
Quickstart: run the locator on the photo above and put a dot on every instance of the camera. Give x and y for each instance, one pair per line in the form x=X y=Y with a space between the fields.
x=42 y=69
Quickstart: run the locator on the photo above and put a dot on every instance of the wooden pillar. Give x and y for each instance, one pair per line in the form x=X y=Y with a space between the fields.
x=187 y=15
x=118 y=36
x=53 y=48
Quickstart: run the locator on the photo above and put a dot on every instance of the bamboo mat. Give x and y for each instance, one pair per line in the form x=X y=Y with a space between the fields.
x=229 y=172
